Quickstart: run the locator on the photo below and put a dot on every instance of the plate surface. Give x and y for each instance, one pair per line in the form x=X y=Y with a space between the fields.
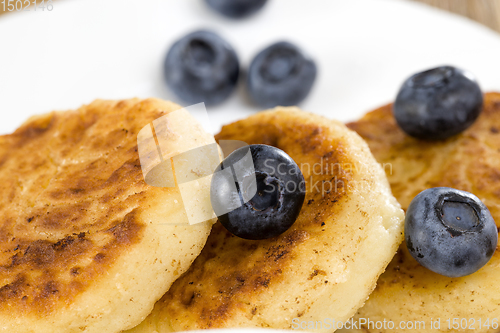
x=82 y=50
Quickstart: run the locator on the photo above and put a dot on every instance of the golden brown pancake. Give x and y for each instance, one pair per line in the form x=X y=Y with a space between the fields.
x=82 y=245
x=470 y=161
x=324 y=266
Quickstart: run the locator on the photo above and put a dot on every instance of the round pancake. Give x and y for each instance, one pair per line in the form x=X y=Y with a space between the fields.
x=324 y=266
x=470 y=161
x=82 y=245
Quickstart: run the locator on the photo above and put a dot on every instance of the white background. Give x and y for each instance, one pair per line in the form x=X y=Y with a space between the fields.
x=87 y=49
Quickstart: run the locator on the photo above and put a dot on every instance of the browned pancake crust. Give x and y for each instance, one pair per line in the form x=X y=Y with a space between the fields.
x=71 y=193
x=469 y=161
x=221 y=281
x=246 y=283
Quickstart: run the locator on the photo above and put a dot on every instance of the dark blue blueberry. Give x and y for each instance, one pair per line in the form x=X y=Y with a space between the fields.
x=450 y=232
x=257 y=192
x=236 y=8
x=438 y=103
x=280 y=75
x=201 y=67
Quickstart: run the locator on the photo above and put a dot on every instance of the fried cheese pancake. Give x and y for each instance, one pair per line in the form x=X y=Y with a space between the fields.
x=82 y=245
x=324 y=266
x=470 y=161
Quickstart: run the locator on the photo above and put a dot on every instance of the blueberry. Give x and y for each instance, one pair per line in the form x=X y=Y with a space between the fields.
x=201 y=67
x=236 y=8
x=266 y=197
x=280 y=75
x=450 y=232
x=438 y=103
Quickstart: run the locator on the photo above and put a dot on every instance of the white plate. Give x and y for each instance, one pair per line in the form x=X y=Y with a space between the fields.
x=82 y=50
